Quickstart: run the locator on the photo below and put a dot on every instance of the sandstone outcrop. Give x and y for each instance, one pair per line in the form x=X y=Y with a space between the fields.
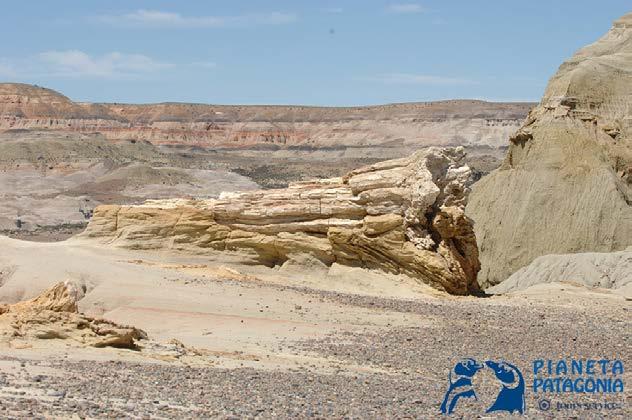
x=54 y=315
x=401 y=216
x=565 y=185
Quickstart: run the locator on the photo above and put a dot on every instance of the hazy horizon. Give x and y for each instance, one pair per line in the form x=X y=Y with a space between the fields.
x=272 y=105
x=335 y=53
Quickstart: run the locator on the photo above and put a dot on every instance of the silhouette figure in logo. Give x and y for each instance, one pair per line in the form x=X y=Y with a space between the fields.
x=460 y=379
x=511 y=396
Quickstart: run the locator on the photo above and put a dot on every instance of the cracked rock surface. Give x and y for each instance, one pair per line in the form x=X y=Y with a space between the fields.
x=402 y=216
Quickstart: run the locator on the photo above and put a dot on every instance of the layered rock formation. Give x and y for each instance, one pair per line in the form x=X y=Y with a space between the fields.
x=54 y=315
x=51 y=181
x=451 y=123
x=401 y=216
x=565 y=185
x=60 y=158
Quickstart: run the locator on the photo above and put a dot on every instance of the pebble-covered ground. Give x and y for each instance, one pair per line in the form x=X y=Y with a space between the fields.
x=406 y=375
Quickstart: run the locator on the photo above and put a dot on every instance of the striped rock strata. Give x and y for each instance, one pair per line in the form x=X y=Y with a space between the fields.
x=400 y=216
x=395 y=129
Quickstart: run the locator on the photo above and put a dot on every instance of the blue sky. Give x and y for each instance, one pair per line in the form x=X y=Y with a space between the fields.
x=344 y=52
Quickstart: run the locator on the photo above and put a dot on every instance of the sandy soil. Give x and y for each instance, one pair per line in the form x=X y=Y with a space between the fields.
x=285 y=342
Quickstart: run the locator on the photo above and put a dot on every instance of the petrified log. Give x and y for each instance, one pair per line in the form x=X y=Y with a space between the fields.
x=401 y=216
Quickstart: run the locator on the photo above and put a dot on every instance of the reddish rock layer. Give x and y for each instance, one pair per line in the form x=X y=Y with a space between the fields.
x=457 y=122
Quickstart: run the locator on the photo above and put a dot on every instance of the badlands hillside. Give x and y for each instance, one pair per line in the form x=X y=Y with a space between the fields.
x=396 y=126
x=60 y=159
x=565 y=186
x=356 y=294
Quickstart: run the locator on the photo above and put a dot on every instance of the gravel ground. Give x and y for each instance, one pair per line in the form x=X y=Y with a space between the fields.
x=407 y=380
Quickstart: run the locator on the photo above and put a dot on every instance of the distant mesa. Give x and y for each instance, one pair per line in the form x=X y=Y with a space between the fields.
x=441 y=123
x=81 y=154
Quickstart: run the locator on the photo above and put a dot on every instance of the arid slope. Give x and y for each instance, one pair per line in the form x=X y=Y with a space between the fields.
x=566 y=183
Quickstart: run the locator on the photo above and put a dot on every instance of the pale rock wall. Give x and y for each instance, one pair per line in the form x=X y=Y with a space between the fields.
x=607 y=270
x=566 y=183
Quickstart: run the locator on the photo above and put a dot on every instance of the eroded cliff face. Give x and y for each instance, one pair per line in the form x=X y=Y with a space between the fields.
x=397 y=126
x=565 y=185
x=400 y=216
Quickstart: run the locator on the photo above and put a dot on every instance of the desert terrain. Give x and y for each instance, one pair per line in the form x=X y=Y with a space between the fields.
x=285 y=341
x=206 y=261
x=60 y=159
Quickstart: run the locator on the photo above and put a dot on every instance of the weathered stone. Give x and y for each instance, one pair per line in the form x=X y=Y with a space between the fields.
x=54 y=315
x=607 y=270
x=402 y=216
x=565 y=185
